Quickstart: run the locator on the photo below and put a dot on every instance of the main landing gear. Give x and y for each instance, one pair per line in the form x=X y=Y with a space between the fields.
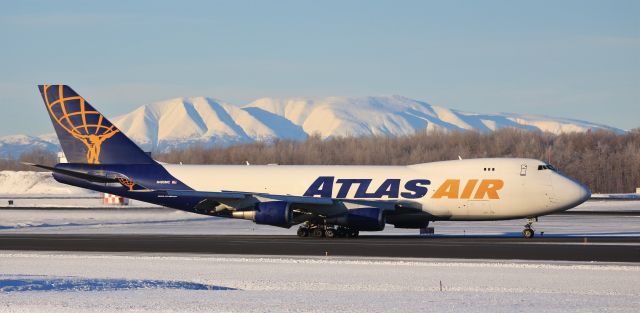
x=528 y=232
x=328 y=231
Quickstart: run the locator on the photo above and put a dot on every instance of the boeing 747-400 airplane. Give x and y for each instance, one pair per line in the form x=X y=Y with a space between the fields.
x=328 y=201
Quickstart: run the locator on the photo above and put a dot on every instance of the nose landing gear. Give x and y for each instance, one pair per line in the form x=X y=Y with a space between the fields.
x=528 y=232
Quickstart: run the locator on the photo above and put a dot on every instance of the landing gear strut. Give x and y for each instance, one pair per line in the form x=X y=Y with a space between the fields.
x=323 y=230
x=528 y=232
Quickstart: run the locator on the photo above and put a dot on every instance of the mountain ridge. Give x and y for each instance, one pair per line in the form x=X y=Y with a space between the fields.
x=179 y=122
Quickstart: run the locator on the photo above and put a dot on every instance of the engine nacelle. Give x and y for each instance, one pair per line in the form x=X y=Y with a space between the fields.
x=410 y=220
x=367 y=219
x=274 y=213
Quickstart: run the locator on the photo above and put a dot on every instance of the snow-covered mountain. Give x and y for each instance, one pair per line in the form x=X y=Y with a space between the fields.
x=183 y=121
x=180 y=122
x=13 y=146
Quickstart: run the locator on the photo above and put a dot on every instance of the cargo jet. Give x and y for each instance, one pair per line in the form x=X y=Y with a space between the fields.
x=326 y=201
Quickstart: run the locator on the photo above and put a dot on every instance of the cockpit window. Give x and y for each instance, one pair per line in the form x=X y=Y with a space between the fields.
x=546 y=167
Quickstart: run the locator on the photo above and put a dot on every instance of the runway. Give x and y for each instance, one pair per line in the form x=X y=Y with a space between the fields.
x=606 y=249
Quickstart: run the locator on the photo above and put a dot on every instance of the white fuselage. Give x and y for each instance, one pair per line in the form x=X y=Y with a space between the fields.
x=473 y=189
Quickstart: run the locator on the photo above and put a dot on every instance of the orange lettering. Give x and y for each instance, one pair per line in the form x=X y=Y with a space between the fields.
x=468 y=189
x=448 y=189
x=489 y=187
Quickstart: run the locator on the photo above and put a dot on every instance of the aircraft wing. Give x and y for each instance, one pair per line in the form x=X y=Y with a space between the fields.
x=311 y=205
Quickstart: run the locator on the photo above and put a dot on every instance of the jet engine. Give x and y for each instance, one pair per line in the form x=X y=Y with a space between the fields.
x=367 y=219
x=410 y=220
x=274 y=213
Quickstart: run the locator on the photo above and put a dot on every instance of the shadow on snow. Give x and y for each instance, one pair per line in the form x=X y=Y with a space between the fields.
x=38 y=283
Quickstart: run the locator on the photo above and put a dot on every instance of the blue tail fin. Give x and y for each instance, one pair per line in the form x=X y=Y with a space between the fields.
x=85 y=135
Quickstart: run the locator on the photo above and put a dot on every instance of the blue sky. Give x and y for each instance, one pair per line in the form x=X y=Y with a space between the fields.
x=578 y=59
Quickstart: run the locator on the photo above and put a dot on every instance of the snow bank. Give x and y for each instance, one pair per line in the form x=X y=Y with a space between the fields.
x=35 y=183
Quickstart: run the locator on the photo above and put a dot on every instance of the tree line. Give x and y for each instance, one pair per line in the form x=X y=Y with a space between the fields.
x=35 y=156
x=605 y=161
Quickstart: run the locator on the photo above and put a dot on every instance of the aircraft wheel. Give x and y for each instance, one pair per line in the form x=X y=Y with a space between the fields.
x=354 y=233
x=528 y=233
x=317 y=232
x=303 y=232
x=330 y=233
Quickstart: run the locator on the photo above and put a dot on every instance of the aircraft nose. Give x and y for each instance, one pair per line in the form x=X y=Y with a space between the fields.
x=569 y=193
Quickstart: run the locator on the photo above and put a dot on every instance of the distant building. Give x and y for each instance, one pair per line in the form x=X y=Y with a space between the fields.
x=115 y=200
x=62 y=158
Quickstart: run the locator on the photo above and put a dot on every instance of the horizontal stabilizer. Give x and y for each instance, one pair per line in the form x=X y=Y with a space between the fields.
x=100 y=179
x=80 y=175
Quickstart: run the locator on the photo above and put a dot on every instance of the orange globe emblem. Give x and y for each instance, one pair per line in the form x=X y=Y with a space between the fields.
x=88 y=126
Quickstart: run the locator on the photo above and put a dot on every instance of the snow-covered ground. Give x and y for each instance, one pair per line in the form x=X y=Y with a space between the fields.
x=57 y=282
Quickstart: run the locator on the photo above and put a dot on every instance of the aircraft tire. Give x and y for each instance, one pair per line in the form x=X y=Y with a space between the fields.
x=528 y=233
x=330 y=233
x=318 y=232
x=303 y=232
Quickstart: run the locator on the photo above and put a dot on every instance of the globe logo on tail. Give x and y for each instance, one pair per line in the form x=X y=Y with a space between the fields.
x=80 y=120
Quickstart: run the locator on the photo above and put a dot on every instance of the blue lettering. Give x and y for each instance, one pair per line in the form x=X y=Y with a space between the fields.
x=361 y=192
x=343 y=192
x=323 y=187
x=417 y=188
x=389 y=188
